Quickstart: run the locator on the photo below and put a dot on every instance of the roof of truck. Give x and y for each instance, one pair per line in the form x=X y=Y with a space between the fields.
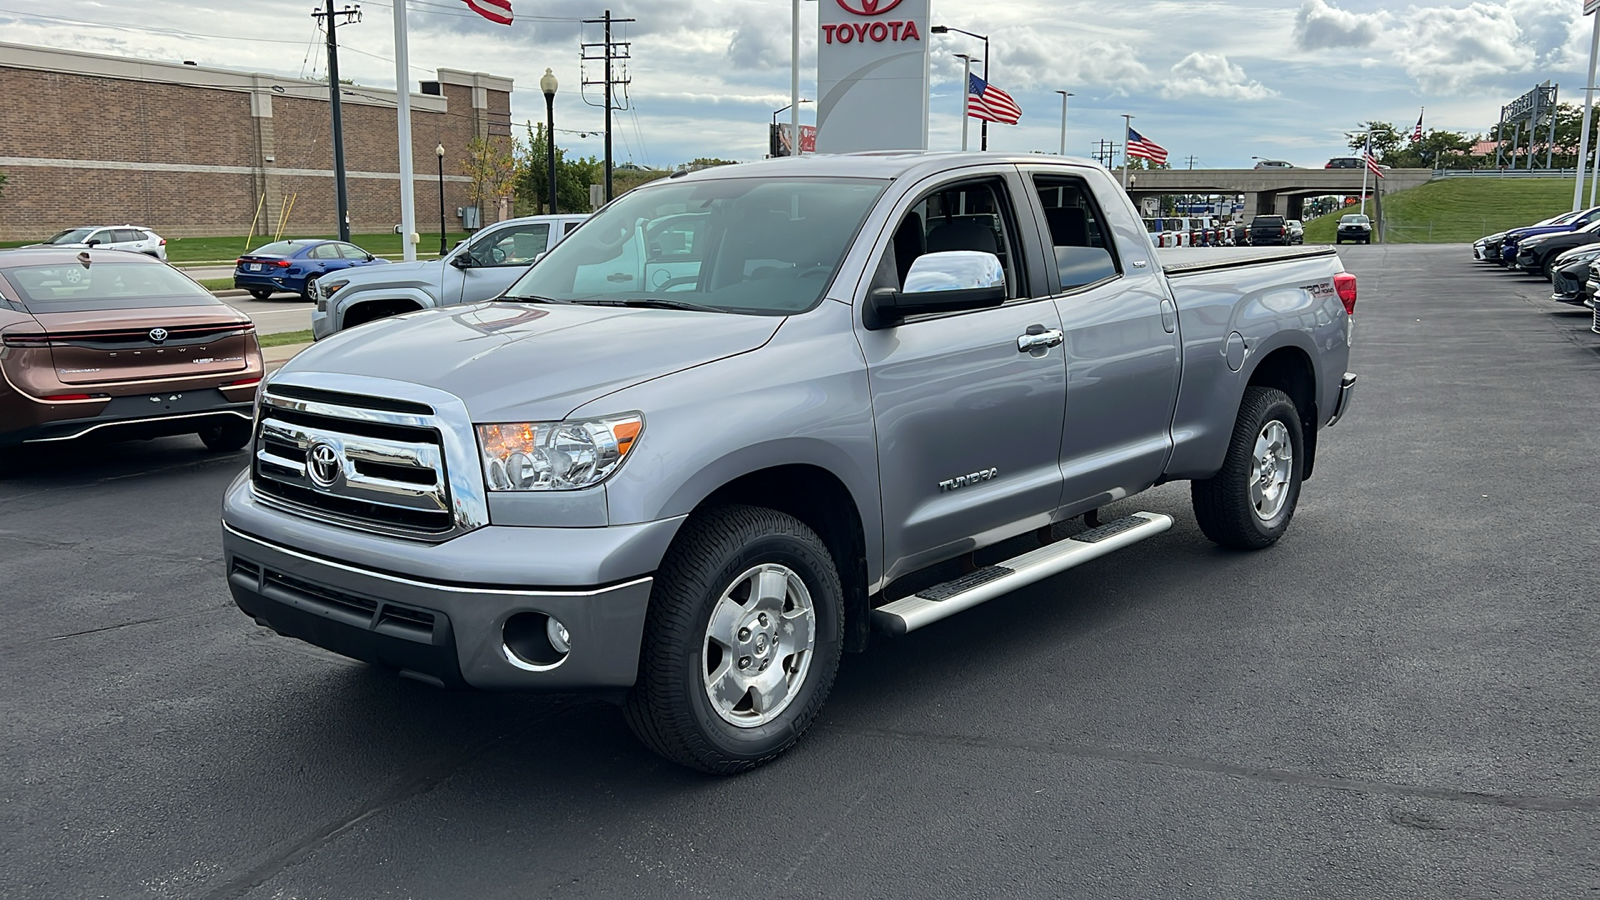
x=877 y=164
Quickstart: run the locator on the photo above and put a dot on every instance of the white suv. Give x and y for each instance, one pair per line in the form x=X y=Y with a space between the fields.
x=112 y=237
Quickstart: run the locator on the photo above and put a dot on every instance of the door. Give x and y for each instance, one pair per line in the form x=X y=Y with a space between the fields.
x=968 y=424
x=1121 y=348
x=498 y=259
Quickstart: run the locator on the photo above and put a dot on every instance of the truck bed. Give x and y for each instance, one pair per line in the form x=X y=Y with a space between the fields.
x=1180 y=261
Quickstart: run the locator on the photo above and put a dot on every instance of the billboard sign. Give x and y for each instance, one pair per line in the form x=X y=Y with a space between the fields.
x=781 y=140
x=872 y=75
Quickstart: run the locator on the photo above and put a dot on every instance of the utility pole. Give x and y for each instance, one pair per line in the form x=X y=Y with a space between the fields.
x=610 y=52
x=1191 y=162
x=351 y=15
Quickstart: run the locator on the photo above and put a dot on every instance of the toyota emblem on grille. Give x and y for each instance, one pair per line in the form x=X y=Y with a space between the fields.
x=323 y=464
x=157 y=335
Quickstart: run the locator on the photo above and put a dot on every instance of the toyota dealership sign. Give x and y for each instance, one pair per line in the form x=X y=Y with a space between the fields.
x=872 y=75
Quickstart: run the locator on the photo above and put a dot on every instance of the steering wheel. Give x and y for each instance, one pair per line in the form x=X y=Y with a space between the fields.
x=681 y=280
x=497 y=255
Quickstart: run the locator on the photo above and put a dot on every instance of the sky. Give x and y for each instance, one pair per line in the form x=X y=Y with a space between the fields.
x=1221 y=82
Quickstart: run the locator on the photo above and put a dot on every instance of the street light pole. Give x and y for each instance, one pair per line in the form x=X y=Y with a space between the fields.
x=439 y=151
x=548 y=84
x=983 y=134
x=1064 y=96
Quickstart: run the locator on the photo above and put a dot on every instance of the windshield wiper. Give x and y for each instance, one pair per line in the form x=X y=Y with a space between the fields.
x=531 y=298
x=654 y=303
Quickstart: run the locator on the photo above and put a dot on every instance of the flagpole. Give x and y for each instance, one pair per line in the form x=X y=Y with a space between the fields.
x=1366 y=169
x=1127 y=129
x=966 y=91
x=402 y=96
x=1588 y=108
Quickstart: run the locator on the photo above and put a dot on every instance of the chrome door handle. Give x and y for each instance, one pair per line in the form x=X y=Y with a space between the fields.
x=1040 y=340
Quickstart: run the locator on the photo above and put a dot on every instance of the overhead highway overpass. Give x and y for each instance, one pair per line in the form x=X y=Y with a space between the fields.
x=1267 y=191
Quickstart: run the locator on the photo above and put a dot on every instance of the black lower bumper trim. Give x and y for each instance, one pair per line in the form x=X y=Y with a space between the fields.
x=409 y=638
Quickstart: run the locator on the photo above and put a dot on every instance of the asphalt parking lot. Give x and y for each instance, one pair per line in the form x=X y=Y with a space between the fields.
x=1401 y=699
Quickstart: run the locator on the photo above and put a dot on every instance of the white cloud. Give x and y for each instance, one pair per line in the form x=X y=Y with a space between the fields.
x=1318 y=26
x=1211 y=75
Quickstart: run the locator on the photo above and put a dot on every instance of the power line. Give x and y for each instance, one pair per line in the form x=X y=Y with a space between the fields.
x=168 y=32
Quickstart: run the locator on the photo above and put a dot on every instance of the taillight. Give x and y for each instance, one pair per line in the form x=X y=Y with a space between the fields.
x=1344 y=284
x=282 y=264
x=239 y=261
x=25 y=341
x=54 y=397
x=163 y=242
x=244 y=381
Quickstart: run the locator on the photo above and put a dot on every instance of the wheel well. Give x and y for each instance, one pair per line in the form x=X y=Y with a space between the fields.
x=820 y=500
x=1289 y=370
x=362 y=313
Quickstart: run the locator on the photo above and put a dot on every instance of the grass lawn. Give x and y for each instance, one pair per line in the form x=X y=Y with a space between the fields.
x=216 y=284
x=227 y=249
x=286 y=337
x=1458 y=210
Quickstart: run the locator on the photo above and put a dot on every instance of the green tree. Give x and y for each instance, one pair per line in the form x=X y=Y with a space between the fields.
x=1386 y=140
x=706 y=162
x=492 y=167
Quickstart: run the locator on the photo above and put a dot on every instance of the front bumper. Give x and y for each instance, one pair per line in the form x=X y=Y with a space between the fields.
x=451 y=635
x=1347 y=393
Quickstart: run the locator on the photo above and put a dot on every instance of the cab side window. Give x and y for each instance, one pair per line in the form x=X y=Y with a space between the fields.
x=518 y=245
x=1078 y=234
x=324 y=251
x=352 y=252
x=972 y=215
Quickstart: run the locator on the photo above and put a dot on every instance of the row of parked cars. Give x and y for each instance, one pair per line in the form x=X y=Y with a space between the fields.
x=1208 y=231
x=1564 y=249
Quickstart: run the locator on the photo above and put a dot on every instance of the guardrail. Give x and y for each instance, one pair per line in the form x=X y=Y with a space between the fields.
x=1506 y=173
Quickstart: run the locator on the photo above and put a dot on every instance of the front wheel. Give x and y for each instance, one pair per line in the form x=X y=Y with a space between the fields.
x=1247 y=505
x=741 y=642
x=227 y=437
x=309 y=292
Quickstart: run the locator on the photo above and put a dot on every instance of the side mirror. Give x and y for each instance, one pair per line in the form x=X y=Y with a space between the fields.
x=92 y=242
x=462 y=261
x=370 y=257
x=947 y=281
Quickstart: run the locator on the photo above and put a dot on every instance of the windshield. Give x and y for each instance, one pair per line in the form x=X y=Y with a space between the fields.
x=73 y=286
x=71 y=236
x=747 y=245
x=1355 y=220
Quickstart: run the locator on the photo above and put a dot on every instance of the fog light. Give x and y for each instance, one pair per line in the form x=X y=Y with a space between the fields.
x=557 y=633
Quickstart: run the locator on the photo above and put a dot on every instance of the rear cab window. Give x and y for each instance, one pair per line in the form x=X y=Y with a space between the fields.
x=71 y=287
x=1077 y=232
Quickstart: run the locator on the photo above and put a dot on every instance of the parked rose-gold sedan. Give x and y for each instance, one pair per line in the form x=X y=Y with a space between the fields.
x=110 y=344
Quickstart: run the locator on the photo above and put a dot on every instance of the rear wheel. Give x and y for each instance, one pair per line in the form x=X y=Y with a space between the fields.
x=225 y=438
x=741 y=642
x=260 y=293
x=1247 y=505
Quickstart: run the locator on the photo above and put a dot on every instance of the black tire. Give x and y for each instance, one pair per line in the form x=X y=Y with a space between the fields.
x=309 y=291
x=227 y=437
x=260 y=293
x=1224 y=504
x=670 y=707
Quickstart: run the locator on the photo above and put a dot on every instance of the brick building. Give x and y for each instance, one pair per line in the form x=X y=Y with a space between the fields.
x=191 y=150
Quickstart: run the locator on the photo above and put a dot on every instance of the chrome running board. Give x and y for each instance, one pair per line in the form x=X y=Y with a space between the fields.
x=941 y=601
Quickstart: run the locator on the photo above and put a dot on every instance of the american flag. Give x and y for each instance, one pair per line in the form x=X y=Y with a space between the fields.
x=493 y=10
x=1416 y=133
x=1372 y=165
x=987 y=102
x=1143 y=148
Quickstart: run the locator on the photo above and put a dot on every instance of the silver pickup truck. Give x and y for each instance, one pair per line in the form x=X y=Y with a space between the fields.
x=477 y=269
x=714 y=438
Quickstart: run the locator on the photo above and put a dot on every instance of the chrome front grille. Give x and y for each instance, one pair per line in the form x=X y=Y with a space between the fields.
x=398 y=465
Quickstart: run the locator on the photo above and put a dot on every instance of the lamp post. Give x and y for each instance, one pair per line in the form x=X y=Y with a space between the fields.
x=1064 y=96
x=548 y=84
x=439 y=152
x=983 y=133
x=966 y=91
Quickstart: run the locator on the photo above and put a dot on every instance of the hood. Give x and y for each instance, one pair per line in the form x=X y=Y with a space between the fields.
x=515 y=362
x=1518 y=234
x=376 y=272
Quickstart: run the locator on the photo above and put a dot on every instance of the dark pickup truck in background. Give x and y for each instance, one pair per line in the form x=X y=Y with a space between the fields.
x=1265 y=230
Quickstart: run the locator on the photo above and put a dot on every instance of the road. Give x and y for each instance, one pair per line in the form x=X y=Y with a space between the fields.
x=1398 y=700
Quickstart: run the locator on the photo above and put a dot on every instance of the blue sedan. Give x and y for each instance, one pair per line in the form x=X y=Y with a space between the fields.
x=295 y=266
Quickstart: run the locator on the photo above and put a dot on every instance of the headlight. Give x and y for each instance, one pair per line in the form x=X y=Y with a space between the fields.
x=556 y=456
x=326 y=290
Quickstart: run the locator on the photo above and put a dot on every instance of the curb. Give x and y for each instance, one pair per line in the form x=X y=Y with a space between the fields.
x=274 y=357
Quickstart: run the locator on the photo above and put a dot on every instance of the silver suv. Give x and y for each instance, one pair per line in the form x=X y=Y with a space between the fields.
x=477 y=269
x=111 y=237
